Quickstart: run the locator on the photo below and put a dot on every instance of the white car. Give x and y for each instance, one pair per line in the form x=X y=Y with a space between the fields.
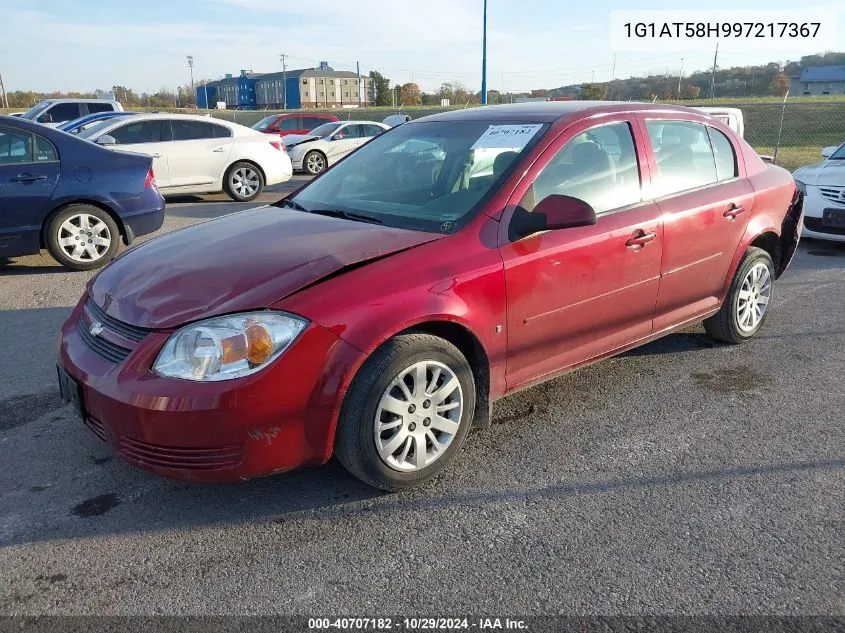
x=195 y=154
x=824 y=200
x=328 y=143
x=54 y=112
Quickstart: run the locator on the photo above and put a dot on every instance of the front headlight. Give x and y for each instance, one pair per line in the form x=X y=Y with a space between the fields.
x=228 y=347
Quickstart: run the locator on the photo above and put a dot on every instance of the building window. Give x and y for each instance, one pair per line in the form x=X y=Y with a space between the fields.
x=332 y=93
x=306 y=93
x=322 y=94
x=304 y=82
x=345 y=94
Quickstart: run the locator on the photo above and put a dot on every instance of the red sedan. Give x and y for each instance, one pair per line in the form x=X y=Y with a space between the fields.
x=379 y=311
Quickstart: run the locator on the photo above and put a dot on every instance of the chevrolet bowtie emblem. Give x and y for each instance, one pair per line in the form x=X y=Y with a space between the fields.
x=95 y=329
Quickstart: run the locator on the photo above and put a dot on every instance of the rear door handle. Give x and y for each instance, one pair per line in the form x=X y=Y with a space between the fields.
x=733 y=211
x=219 y=149
x=28 y=178
x=156 y=155
x=640 y=239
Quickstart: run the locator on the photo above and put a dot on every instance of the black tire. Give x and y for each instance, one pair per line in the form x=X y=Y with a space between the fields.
x=54 y=232
x=355 y=444
x=724 y=325
x=246 y=172
x=319 y=160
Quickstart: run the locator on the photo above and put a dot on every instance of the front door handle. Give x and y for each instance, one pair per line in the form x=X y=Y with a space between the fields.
x=156 y=155
x=733 y=211
x=28 y=178
x=640 y=239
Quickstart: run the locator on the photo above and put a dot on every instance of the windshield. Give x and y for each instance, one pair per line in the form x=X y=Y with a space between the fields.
x=838 y=154
x=264 y=123
x=34 y=111
x=95 y=128
x=428 y=176
x=324 y=130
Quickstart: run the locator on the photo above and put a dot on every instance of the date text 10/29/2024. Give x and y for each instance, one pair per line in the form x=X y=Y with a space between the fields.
x=417 y=624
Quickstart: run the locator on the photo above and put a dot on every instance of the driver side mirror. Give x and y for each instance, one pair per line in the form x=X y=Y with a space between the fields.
x=552 y=213
x=827 y=152
x=105 y=139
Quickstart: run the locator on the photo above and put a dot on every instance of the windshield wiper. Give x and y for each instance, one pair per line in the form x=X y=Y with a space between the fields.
x=293 y=204
x=347 y=215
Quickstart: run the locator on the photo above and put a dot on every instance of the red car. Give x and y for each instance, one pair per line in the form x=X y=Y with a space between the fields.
x=377 y=312
x=285 y=124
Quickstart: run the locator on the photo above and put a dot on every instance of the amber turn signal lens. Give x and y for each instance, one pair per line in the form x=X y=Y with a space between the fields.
x=259 y=344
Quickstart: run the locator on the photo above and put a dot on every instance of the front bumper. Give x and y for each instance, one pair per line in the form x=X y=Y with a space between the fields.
x=814 y=206
x=273 y=421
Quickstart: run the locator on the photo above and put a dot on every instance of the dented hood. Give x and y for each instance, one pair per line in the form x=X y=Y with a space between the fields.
x=829 y=173
x=243 y=261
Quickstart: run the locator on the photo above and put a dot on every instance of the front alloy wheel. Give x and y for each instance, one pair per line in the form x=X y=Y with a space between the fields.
x=407 y=412
x=418 y=416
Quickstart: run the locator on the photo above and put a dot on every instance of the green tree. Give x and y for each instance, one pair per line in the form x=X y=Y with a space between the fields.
x=779 y=85
x=381 y=87
x=593 y=92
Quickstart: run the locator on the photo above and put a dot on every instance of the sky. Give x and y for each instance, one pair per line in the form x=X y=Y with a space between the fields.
x=87 y=44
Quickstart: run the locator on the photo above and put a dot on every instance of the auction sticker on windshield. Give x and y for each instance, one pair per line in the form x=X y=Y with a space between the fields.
x=506 y=136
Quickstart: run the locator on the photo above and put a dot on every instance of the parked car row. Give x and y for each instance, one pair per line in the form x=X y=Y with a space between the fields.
x=824 y=186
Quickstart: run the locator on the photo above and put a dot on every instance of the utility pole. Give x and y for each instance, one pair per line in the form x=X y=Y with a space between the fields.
x=358 y=68
x=680 y=74
x=3 y=93
x=193 y=90
x=713 y=74
x=612 y=77
x=283 y=57
x=484 y=60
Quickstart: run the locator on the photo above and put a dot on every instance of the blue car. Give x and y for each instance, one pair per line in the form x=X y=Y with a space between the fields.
x=77 y=125
x=68 y=195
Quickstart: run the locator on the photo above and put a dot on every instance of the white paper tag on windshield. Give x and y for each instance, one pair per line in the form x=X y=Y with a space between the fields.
x=506 y=136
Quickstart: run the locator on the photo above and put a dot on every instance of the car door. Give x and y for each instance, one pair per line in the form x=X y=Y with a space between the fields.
x=576 y=294
x=29 y=172
x=345 y=139
x=198 y=152
x=148 y=136
x=291 y=125
x=705 y=204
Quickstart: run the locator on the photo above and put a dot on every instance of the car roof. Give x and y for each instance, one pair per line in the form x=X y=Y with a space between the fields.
x=550 y=111
x=355 y=121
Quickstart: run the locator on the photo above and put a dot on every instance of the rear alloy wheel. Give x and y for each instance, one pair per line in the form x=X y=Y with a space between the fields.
x=314 y=162
x=747 y=304
x=82 y=237
x=406 y=413
x=243 y=182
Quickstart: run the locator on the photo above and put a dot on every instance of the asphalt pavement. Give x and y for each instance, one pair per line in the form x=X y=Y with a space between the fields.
x=683 y=477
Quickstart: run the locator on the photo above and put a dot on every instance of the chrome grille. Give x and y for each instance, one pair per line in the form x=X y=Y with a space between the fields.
x=103 y=348
x=132 y=332
x=834 y=194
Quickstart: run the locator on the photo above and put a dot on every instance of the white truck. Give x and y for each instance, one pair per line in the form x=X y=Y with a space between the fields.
x=53 y=112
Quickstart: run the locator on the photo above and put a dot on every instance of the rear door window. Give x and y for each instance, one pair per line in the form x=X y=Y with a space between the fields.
x=191 y=130
x=684 y=156
x=138 y=132
x=99 y=107
x=15 y=147
x=291 y=123
x=221 y=131
x=45 y=151
x=723 y=150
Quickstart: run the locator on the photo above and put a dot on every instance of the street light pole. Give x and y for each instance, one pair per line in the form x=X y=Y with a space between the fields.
x=484 y=60
x=284 y=82
x=191 y=66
